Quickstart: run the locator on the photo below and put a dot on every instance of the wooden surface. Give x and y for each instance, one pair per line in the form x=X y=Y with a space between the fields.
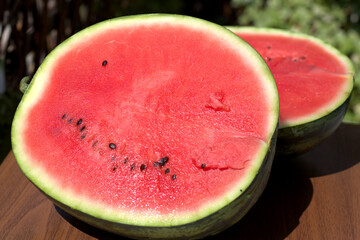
x=314 y=196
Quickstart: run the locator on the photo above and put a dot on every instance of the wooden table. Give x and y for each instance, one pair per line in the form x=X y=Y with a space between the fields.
x=314 y=196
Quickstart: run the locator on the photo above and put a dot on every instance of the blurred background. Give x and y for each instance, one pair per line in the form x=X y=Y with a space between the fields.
x=30 y=29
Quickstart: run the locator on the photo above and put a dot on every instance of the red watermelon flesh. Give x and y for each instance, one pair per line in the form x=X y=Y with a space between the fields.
x=118 y=104
x=310 y=78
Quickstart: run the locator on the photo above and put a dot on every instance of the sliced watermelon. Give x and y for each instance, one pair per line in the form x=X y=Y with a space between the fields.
x=150 y=126
x=314 y=81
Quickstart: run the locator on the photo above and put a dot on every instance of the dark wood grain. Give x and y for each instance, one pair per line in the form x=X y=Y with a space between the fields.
x=314 y=196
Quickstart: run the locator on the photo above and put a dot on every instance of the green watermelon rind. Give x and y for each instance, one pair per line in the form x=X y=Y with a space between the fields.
x=66 y=197
x=344 y=59
x=301 y=138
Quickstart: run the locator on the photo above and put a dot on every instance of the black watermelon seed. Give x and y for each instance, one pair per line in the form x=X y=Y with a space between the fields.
x=82 y=129
x=302 y=57
x=115 y=167
x=295 y=60
x=104 y=63
x=112 y=146
x=63 y=116
x=125 y=160
x=83 y=136
x=167 y=171
x=203 y=165
x=163 y=160
x=173 y=177
x=132 y=167
x=268 y=47
x=241 y=190
x=79 y=122
x=70 y=120
x=142 y=167
x=269 y=59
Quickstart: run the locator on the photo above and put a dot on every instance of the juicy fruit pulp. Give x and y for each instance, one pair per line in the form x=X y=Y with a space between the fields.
x=314 y=82
x=309 y=77
x=133 y=121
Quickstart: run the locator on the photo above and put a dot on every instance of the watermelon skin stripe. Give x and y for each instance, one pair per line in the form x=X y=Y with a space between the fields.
x=210 y=225
x=293 y=141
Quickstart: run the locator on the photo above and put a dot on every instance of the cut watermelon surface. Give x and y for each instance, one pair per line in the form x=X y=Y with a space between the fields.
x=314 y=81
x=150 y=122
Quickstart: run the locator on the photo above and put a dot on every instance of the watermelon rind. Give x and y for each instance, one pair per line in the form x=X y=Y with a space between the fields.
x=299 y=135
x=295 y=140
x=145 y=225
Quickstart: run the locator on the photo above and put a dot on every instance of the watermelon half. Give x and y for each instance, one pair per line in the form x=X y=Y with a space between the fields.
x=314 y=81
x=150 y=126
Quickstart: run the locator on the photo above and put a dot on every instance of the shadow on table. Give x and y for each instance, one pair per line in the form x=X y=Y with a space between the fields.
x=337 y=153
x=278 y=210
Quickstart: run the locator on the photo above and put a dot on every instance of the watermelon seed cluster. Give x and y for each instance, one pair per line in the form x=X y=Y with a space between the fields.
x=78 y=123
x=161 y=163
x=268 y=59
x=297 y=59
x=301 y=58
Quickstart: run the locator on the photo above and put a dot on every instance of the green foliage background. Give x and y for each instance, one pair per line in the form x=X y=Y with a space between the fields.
x=335 y=22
